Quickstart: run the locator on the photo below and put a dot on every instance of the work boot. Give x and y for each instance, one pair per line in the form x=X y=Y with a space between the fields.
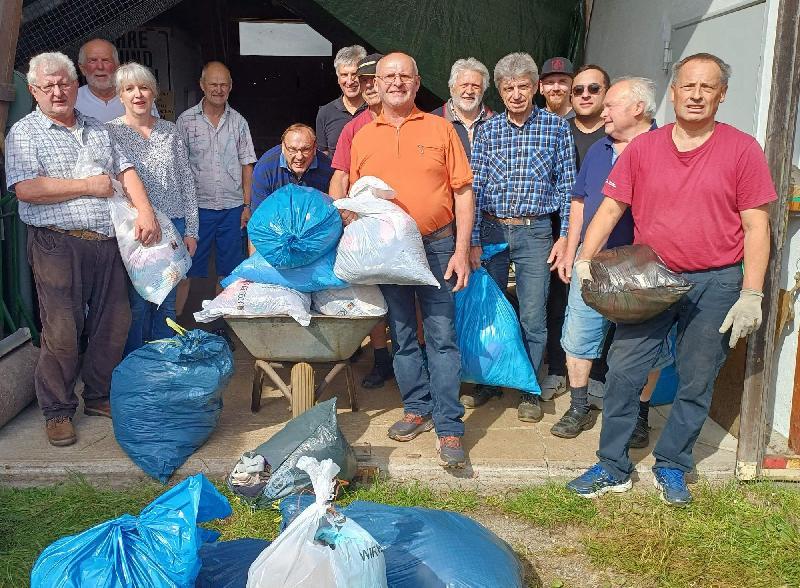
x=572 y=423
x=553 y=386
x=410 y=426
x=529 y=409
x=378 y=376
x=640 y=437
x=451 y=452
x=101 y=407
x=480 y=395
x=60 y=431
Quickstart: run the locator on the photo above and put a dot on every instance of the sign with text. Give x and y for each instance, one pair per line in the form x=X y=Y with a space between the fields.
x=148 y=46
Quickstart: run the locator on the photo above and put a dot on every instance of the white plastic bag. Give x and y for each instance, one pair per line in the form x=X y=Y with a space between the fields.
x=383 y=245
x=251 y=298
x=156 y=269
x=354 y=300
x=320 y=548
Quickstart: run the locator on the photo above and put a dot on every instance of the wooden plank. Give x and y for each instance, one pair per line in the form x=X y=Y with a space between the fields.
x=794 y=418
x=10 y=15
x=781 y=119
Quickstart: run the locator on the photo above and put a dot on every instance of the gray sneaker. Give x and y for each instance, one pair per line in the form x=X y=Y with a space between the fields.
x=410 y=426
x=480 y=395
x=529 y=409
x=451 y=452
x=553 y=386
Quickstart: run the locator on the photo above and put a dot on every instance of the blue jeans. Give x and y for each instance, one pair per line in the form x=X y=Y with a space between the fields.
x=700 y=352
x=528 y=247
x=434 y=391
x=148 y=321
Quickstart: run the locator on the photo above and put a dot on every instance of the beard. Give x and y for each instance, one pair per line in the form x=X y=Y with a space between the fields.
x=101 y=83
x=467 y=106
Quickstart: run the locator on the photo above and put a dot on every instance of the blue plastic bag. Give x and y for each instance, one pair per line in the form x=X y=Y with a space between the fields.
x=426 y=548
x=157 y=549
x=226 y=563
x=166 y=399
x=295 y=226
x=314 y=277
x=489 y=335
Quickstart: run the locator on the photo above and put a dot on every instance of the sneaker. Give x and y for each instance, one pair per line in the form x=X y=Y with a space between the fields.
x=553 y=386
x=410 y=426
x=597 y=481
x=97 y=408
x=572 y=423
x=60 y=431
x=480 y=395
x=451 y=452
x=672 y=483
x=378 y=376
x=640 y=437
x=529 y=409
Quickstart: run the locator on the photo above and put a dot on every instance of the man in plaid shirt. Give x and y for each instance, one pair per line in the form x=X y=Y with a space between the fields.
x=523 y=161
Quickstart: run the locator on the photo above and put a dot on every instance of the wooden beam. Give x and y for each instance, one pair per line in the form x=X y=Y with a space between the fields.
x=781 y=119
x=10 y=16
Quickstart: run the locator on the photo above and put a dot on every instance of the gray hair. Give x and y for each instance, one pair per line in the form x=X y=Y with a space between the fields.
x=516 y=65
x=349 y=56
x=724 y=68
x=50 y=63
x=82 y=51
x=135 y=73
x=468 y=64
x=641 y=90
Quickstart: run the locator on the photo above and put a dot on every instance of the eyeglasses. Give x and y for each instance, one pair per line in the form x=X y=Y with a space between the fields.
x=291 y=151
x=48 y=89
x=389 y=79
x=594 y=89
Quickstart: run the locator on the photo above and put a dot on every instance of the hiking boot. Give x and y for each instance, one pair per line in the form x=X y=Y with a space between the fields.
x=60 y=431
x=529 y=409
x=553 y=386
x=640 y=437
x=451 y=452
x=480 y=395
x=672 y=483
x=596 y=481
x=100 y=407
x=572 y=423
x=378 y=376
x=410 y=426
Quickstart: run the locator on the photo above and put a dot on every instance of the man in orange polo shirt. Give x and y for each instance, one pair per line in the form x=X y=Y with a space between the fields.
x=421 y=157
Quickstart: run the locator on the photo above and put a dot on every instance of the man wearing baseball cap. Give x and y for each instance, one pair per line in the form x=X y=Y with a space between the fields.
x=555 y=83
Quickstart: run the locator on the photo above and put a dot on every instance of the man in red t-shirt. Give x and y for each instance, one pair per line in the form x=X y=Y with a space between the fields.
x=699 y=192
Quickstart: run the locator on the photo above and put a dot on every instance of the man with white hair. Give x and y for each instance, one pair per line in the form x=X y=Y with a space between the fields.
x=333 y=116
x=469 y=80
x=98 y=60
x=60 y=164
x=627 y=110
x=699 y=194
x=524 y=166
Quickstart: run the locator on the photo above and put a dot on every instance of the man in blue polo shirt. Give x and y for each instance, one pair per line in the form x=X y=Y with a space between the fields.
x=628 y=110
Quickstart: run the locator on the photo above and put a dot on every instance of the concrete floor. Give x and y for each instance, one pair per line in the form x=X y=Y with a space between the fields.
x=503 y=451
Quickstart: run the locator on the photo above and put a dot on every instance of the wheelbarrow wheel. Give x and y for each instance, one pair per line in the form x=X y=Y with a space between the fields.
x=302 y=381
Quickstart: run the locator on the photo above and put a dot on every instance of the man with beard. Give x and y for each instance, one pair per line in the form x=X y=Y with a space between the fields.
x=98 y=60
x=555 y=84
x=333 y=116
x=589 y=87
x=469 y=79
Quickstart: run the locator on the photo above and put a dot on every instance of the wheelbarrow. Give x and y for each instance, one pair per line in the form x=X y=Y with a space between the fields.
x=328 y=342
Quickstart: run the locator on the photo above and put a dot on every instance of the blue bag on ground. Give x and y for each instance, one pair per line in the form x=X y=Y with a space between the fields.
x=314 y=277
x=426 y=548
x=225 y=563
x=157 y=549
x=295 y=226
x=166 y=399
x=489 y=335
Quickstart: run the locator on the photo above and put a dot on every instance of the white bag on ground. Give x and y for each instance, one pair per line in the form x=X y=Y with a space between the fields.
x=320 y=548
x=251 y=298
x=156 y=269
x=353 y=300
x=382 y=246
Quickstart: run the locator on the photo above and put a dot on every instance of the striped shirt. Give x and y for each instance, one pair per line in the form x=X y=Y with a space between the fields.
x=523 y=171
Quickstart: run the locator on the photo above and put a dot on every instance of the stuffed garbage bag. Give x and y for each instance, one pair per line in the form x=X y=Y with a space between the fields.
x=352 y=301
x=225 y=563
x=488 y=333
x=631 y=284
x=245 y=298
x=317 y=275
x=166 y=399
x=295 y=226
x=320 y=548
x=157 y=549
x=383 y=245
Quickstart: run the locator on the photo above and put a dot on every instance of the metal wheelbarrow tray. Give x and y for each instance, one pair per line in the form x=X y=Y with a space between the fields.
x=278 y=340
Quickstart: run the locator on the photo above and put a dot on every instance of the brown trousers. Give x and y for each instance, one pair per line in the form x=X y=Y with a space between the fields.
x=71 y=274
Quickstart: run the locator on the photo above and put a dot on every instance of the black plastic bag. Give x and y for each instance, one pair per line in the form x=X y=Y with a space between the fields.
x=631 y=284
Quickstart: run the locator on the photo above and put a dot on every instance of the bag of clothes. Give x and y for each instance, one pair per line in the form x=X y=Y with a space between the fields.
x=242 y=298
x=351 y=301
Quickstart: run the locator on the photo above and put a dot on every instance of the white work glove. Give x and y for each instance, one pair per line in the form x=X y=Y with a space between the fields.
x=744 y=317
x=582 y=269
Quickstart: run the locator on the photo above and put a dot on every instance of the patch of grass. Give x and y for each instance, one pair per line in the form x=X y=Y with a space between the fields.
x=413 y=494
x=246 y=522
x=548 y=505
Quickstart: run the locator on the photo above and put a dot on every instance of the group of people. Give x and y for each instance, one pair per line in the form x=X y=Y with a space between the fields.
x=589 y=170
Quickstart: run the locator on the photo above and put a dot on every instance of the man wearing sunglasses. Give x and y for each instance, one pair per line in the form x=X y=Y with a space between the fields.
x=588 y=90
